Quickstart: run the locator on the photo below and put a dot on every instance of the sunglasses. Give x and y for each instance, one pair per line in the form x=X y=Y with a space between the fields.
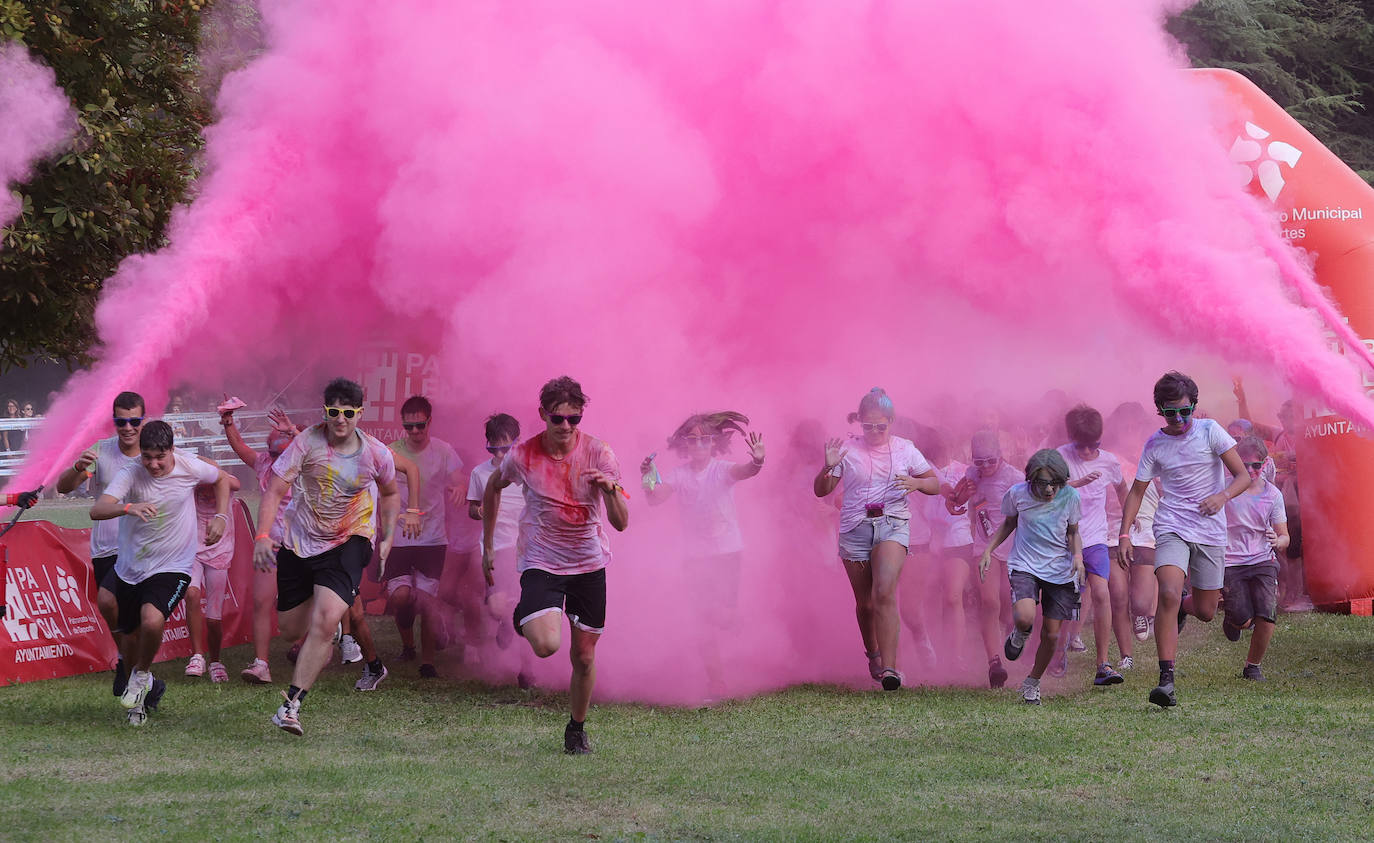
x=573 y=421
x=881 y=427
x=346 y=412
x=1180 y=412
x=991 y=461
x=1045 y=485
x=414 y=425
x=123 y=422
x=1255 y=465
x=498 y=449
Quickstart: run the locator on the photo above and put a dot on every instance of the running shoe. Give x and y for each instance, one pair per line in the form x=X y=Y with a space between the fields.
x=524 y=680
x=1230 y=630
x=997 y=675
x=370 y=680
x=293 y=653
x=1163 y=695
x=1253 y=673
x=338 y=635
x=1107 y=676
x=407 y=655
x=575 y=742
x=1030 y=691
x=256 y=673
x=1141 y=627
x=288 y=716
x=1076 y=644
x=427 y=671
x=875 y=666
x=349 y=651
x=138 y=715
x=137 y=690
x=121 y=679
x=1126 y=663
x=218 y=673
x=891 y=679
x=1059 y=665
x=196 y=666
x=1015 y=643
x=155 y=695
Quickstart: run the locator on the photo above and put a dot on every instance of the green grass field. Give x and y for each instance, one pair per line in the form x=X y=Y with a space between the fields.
x=1292 y=758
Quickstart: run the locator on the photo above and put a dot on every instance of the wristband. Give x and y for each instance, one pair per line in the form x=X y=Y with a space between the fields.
x=126 y=507
x=1124 y=536
x=11 y=499
x=416 y=511
x=261 y=536
x=221 y=515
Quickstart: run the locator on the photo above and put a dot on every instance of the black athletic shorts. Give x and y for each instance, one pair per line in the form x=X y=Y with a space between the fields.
x=161 y=590
x=582 y=597
x=104 y=572
x=339 y=569
x=1058 y=601
x=421 y=559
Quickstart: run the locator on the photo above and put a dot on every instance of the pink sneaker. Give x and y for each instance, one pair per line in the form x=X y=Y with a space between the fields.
x=218 y=673
x=196 y=666
x=257 y=673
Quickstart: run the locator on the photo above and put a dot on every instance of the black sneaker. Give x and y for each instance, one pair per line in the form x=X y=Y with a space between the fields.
x=997 y=675
x=1231 y=630
x=1163 y=695
x=1253 y=673
x=1107 y=676
x=891 y=679
x=121 y=679
x=155 y=694
x=575 y=742
x=427 y=671
x=407 y=655
x=1011 y=649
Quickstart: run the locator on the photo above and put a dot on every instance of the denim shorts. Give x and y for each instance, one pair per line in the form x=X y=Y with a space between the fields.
x=857 y=544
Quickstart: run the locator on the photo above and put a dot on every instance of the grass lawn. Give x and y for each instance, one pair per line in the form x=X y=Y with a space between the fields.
x=1292 y=758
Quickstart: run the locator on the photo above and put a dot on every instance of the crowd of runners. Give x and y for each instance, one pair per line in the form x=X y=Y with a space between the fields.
x=1039 y=521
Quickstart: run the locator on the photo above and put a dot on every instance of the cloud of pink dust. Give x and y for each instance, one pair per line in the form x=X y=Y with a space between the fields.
x=35 y=119
x=763 y=206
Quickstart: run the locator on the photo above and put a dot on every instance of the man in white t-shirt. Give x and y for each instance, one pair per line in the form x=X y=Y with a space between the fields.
x=327 y=541
x=571 y=482
x=101 y=462
x=157 y=548
x=501 y=431
x=416 y=564
x=1190 y=456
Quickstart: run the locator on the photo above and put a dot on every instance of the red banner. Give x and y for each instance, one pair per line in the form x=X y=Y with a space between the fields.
x=52 y=627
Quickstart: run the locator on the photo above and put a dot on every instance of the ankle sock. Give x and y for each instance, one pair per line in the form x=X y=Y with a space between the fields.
x=575 y=725
x=375 y=666
x=1166 y=671
x=295 y=693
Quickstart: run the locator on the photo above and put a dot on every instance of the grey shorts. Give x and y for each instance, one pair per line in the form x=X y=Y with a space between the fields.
x=1059 y=600
x=1205 y=564
x=857 y=544
x=1252 y=591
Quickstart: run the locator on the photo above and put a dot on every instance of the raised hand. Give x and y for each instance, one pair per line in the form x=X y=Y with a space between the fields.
x=834 y=452
x=755 y=442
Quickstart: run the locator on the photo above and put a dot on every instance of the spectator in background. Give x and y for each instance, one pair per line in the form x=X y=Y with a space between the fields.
x=12 y=440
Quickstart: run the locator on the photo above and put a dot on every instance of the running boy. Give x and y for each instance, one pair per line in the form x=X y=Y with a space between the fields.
x=157 y=549
x=1046 y=561
x=1256 y=530
x=101 y=462
x=1188 y=455
x=328 y=534
x=571 y=481
x=501 y=432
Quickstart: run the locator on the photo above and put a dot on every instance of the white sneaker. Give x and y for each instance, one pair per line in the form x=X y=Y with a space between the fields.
x=1030 y=691
x=288 y=716
x=1076 y=644
x=137 y=690
x=138 y=715
x=370 y=680
x=1125 y=664
x=349 y=651
x=1140 y=625
x=196 y=666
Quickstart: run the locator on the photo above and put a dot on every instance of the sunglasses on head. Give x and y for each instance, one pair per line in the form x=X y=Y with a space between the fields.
x=346 y=412
x=128 y=422
x=1255 y=465
x=498 y=449
x=415 y=425
x=1180 y=412
x=984 y=463
x=881 y=427
x=573 y=421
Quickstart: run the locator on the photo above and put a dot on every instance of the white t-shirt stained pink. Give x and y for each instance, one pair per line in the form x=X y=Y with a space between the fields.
x=1190 y=469
x=947 y=530
x=1250 y=519
x=220 y=554
x=561 y=529
x=706 y=501
x=1093 y=497
x=986 y=500
x=870 y=477
x=109 y=461
x=439 y=465
x=264 y=469
x=334 y=497
x=167 y=542
x=507 y=530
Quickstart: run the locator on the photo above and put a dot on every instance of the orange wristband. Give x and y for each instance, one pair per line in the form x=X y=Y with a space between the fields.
x=126 y=507
x=262 y=536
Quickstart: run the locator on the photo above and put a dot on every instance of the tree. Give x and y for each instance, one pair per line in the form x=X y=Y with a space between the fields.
x=131 y=71
x=1314 y=57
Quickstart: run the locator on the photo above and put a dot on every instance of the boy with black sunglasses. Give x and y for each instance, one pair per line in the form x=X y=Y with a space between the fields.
x=416 y=564
x=1257 y=530
x=571 y=482
x=101 y=463
x=1190 y=456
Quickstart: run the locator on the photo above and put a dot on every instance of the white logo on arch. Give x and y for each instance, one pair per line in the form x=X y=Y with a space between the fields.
x=1254 y=158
